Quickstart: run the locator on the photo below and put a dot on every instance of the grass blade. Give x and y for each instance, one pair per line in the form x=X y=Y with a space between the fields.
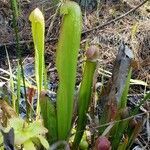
x=135 y=111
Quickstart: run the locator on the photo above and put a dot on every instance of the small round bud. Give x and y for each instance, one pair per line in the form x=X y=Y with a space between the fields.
x=83 y=145
x=124 y=113
x=92 y=53
x=102 y=143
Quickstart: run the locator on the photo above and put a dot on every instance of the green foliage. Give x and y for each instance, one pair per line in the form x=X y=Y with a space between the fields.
x=18 y=88
x=14 y=5
x=38 y=31
x=133 y=131
x=123 y=99
x=1 y=142
x=135 y=125
x=26 y=133
x=15 y=13
x=66 y=63
x=136 y=109
x=124 y=132
x=84 y=98
x=120 y=127
x=48 y=113
x=57 y=120
x=83 y=143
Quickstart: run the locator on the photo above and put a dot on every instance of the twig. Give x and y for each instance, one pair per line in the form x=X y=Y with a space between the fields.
x=26 y=42
x=52 y=22
x=114 y=20
x=118 y=121
x=114 y=122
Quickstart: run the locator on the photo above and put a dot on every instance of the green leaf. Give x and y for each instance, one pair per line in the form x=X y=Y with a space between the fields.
x=38 y=30
x=49 y=116
x=136 y=109
x=133 y=132
x=123 y=101
x=66 y=63
x=23 y=131
x=123 y=145
x=43 y=141
x=36 y=128
x=85 y=93
x=119 y=128
x=29 y=145
x=1 y=138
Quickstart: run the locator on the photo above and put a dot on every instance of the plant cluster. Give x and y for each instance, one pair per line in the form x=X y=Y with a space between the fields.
x=63 y=125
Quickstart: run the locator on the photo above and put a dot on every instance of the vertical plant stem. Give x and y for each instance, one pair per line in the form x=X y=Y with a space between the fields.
x=18 y=88
x=14 y=8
